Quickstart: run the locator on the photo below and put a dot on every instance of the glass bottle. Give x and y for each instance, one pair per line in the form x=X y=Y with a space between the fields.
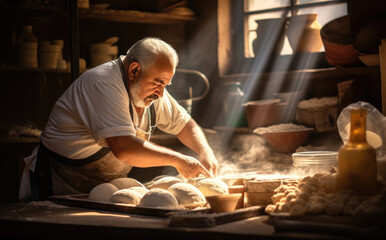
x=357 y=166
x=233 y=109
x=26 y=35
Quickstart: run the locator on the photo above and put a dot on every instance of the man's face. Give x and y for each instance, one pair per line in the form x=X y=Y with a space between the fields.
x=145 y=87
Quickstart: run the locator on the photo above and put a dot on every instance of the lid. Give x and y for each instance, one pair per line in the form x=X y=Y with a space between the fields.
x=315 y=158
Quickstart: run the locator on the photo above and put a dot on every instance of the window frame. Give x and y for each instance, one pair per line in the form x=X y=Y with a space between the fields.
x=239 y=24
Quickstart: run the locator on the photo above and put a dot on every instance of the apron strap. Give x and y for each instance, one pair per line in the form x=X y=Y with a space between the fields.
x=75 y=162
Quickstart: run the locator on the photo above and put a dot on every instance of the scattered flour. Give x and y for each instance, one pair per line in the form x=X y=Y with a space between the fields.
x=284 y=127
x=318 y=102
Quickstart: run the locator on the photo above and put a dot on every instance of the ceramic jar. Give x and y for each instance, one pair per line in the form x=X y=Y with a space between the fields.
x=48 y=55
x=270 y=36
x=101 y=53
x=28 y=48
x=303 y=33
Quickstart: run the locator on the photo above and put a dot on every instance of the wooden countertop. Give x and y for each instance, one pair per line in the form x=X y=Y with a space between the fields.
x=47 y=220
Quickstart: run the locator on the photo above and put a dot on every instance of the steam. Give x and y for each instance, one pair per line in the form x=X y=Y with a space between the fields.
x=248 y=155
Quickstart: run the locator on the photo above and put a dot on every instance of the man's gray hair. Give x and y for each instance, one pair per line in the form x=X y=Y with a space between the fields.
x=146 y=50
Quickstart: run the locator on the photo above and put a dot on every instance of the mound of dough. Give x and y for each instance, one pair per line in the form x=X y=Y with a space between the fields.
x=187 y=195
x=123 y=183
x=212 y=186
x=140 y=190
x=126 y=196
x=165 y=182
x=102 y=192
x=159 y=198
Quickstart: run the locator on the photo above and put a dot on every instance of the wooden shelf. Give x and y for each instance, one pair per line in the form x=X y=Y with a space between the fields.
x=323 y=73
x=26 y=69
x=133 y=16
x=127 y=16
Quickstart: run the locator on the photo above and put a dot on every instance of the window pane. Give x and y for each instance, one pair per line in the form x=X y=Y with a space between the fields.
x=310 y=1
x=252 y=35
x=256 y=5
x=326 y=13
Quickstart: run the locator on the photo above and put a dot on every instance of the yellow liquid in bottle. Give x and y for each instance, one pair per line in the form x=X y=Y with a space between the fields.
x=357 y=165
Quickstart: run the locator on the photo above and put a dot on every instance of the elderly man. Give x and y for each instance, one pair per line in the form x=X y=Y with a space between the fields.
x=99 y=128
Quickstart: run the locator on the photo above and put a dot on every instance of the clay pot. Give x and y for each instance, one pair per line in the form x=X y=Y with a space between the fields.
x=238 y=189
x=263 y=113
x=338 y=42
x=223 y=203
x=270 y=36
x=303 y=33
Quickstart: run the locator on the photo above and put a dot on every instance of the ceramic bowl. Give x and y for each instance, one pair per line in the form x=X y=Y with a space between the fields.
x=224 y=202
x=287 y=141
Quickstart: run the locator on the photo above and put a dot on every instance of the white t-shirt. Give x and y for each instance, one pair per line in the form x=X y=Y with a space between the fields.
x=96 y=106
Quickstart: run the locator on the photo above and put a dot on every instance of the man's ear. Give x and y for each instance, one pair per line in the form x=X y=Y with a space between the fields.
x=134 y=69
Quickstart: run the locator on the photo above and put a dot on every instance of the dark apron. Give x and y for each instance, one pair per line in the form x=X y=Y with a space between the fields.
x=58 y=175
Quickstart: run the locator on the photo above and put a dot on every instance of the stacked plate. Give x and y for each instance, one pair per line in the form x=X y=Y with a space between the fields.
x=324 y=159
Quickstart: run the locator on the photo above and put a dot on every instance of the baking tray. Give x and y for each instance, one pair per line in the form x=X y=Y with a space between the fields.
x=202 y=220
x=197 y=218
x=82 y=201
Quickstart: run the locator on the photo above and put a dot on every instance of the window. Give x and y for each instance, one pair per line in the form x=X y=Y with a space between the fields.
x=276 y=13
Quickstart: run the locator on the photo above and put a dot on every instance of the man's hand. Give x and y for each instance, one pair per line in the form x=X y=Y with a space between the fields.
x=193 y=137
x=191 y=167
x=209 y=161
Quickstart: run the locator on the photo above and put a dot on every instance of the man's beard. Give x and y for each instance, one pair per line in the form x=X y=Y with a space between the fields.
x=138 y=102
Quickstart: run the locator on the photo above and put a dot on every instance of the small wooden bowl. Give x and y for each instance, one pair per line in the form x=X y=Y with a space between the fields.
x=223 y=203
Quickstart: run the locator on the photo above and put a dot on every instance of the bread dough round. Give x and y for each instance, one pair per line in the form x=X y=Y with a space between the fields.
x=102 y=192
x=140 y=190
x=126 y=196
x=165 y=182
x=212 y=186
x=159 y=198
x=123 y=183
x=187 y=195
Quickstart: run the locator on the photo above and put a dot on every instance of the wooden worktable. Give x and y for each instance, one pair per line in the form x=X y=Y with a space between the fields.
x=47 y=220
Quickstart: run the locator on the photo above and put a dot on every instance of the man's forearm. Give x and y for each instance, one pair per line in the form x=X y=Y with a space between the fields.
x=139 y=153
x=193 y=137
